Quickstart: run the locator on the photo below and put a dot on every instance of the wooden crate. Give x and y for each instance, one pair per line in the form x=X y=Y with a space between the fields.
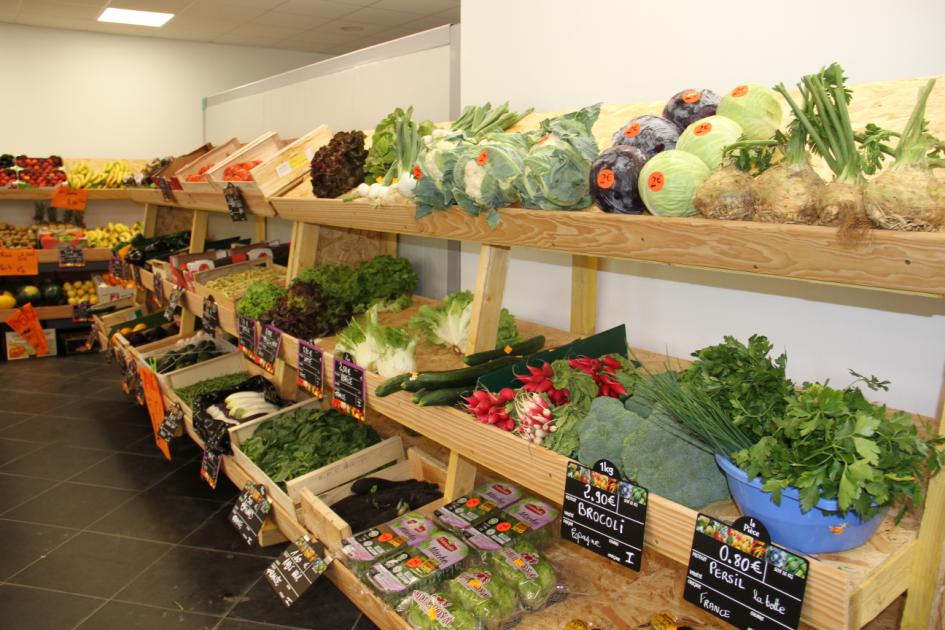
x=326 y=478
x=202 y=277
x=284 y=169
x=160 y=348
x=262 y=148
x=215 y=156
x=220 y=366
x=104 y=323
x=317 y=516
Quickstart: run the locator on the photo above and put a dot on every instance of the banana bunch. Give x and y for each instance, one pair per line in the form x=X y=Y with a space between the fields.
x=112 y=175
x=112 y=235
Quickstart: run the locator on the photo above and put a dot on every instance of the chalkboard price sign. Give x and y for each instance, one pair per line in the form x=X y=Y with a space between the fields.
x=270 y=340
x=158 y=287
x=296 y=569
x=604 y=513
x=173 y=424
x=246 y=328
x=350 y=393
x=210 y=466
x=235 y=202
x=736 y=574
x=82 y=312
x=71 y=256
x=173 y=302
x=250 y=512
x=311 y=369
x=211 y=315
x=165 y=186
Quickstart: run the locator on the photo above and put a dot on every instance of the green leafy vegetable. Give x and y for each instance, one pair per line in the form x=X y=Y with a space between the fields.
x=258 y=299
x=387 y=144
x=382 y=279
x=486 y=176
x=384 y=349
x=301 y=441
x=447 y=324
x=484 y=594
x=478 y=121
x=189 y=393
x=522 y=566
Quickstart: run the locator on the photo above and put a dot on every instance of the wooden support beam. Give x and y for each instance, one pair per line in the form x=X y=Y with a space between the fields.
x=259 y=233
x=390 y=241
x=584 y=295
x=149 y=222
x=924 y=583
x=303 y=249
x=460 y=477
x=270 y=534
x=490 y=287
x=198 y=241
x=284 y=379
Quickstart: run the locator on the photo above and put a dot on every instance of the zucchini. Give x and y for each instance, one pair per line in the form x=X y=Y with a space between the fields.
x=529 y=346
x=439 y=397
x=456 y=378
x=391 y=385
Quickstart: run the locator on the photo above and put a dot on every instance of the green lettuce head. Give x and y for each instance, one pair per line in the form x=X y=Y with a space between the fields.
x=522 y=566
x=486 y=176
x=447 y=324
x=559 y=162
x=435 y=612
x=487 y=596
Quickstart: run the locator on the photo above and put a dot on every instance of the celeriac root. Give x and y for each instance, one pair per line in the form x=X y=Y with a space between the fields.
x=726 y=195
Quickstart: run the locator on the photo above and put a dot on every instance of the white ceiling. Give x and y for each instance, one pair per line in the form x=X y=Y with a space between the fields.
x=325 y=26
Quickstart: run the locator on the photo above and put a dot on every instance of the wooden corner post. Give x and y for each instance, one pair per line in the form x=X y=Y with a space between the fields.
x=584 y=295
x=487 y=305
x=198 y=242
x=302 y=250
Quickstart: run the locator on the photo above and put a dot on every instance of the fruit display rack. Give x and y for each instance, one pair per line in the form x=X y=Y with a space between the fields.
x=845 y=590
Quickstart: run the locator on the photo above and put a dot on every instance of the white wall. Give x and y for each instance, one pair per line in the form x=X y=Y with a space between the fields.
x=552 y=54
x=80 y=94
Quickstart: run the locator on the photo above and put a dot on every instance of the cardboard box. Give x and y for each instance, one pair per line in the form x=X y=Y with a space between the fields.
x=17 y=348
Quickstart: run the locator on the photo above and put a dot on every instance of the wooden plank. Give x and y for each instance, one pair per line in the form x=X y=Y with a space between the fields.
x=347 y=469
x=92 y=254
x=198 y=240
x=259 y=229
x=923 y=585
x=584 y=295
x=149 y=222
x=304 y=249
x=390 y=243
x=490 y=288
x=42 y=312
x=283 y=170
x=460 y=477
x=908 y=262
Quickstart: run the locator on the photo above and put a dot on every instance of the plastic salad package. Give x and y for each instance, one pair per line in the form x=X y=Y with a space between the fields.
x=485 y=176
x=433 y=611
x=490 y=598
x=469 y=510
x=529 y=520
x=365 y=548
x=424 y=566
x=559 y=161
x=535 y=580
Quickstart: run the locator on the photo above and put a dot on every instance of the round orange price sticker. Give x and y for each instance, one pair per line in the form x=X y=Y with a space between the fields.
x=605 y=178
x=741 y=90
x=632 y=131
x=504 y=526
x=702 y=128
x=690 y=96
x=655 y=181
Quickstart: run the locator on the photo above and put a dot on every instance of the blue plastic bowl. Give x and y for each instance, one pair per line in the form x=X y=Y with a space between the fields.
x=821 y=530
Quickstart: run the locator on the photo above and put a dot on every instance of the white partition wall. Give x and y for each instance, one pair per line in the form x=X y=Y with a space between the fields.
x=353 y=91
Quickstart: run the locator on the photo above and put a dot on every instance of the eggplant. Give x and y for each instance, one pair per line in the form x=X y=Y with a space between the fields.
x=614 y=180
x=649 y=134
x=688 y=106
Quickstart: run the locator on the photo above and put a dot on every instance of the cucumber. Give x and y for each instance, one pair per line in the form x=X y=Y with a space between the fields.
x=439 y=397
x=529 y=346
x=456 y=378
x=416 y=397
x=391 y=385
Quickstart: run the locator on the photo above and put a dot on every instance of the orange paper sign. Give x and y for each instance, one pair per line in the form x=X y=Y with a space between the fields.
x=155 y=403
x=70 y=198
x=19 y=262
x=25 y=322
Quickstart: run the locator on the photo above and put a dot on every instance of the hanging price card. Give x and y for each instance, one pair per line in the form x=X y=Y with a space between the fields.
x=172 y=303
x=155 y=404
x=296 y=569
x=246 y=328
x=235 y=202
x=210 y=466
x=71 y=256
x=25 y=322
x=165 y=186
x=270 y=340
x=158 y=287
x=136 y=274
x=739 y=576
x=82 y=312
x=19 y=262
x=115 y=267
x=70 y=198
x=311 y=369
x=604 y=513
x=211 y=315
x=173 y=424
x=350 y=394
x=250 y=512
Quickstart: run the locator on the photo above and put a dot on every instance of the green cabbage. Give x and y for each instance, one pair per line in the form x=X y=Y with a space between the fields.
x=447 y=324
x=486 y=175
x=558 y=163
x=522 y=566
x=708 y=137
x=433 y=611
x=755 y=108
x=491 y=599
x=669 y=181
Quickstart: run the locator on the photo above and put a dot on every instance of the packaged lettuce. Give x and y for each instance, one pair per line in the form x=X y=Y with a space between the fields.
x=421 y=567
x=491 y=599
x=431 y=612
x=367 y=547
x=533 y=577
x=528 y=520
x=474 y=508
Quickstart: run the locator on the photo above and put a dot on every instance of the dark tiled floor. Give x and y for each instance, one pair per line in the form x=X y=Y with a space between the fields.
x=102 y=533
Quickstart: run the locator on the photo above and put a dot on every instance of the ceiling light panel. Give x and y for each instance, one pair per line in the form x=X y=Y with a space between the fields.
x=138 y=18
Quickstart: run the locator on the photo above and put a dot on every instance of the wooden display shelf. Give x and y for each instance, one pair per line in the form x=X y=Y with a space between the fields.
x=42 y=312
x=45 y=194
x=210 y=201
x=845 y=590
x=897 y=261
x=92 y=254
